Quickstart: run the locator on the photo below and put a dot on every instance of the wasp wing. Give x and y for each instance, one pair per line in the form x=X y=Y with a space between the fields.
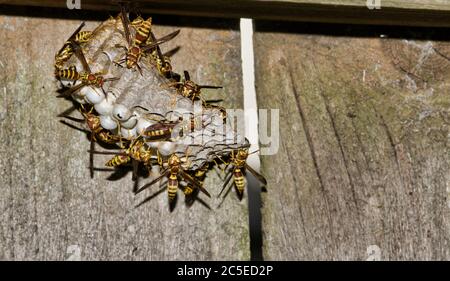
x=80 y=55
x=71 y=90
x=126 y=23
x=256 y=174
x=72 y=36
x=194 y=182
x=164 y=173
x=227 y=180
x=160 y=41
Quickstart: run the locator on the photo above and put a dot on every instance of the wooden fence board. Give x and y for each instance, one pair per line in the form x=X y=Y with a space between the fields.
x=51 y=209
x=364 y=124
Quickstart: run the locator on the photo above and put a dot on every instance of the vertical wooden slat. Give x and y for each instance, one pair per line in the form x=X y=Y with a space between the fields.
x=363 y=166
x=51 y=209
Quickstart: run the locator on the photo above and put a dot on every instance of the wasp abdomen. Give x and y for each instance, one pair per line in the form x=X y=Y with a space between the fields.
x=239 y=181
x=83 y=36
x=68 y=73
x=143 y=32
x=188 y=190
x=118 y=160
x=172 y=187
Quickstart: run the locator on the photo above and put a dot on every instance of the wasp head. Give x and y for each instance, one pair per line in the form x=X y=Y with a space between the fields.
x=242 y=154
x=92 y=121
x=173 y=161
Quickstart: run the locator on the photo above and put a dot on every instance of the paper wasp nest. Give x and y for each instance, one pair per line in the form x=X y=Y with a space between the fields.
x=140 y=97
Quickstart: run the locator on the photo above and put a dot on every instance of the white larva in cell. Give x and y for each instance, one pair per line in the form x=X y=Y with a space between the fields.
x=121 y=112
x=107 y=122
x=166 y=147
x=104 y=107
x=142 y=125
x=130 y=123
x=93 y=95
x=128 y=133
x=152 y=144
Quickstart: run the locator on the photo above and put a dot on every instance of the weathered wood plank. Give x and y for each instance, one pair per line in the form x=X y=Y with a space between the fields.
x=398 y=12
x=364 y=124
x=51 y=209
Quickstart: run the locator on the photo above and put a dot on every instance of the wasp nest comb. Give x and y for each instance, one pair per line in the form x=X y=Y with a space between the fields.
x=130 y=97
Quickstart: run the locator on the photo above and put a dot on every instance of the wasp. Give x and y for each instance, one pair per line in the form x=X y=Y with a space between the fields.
x=159 y=131
x=162 y=61
x=143 y=30
x=119 y=159
x=136 y=49
x=142 y=27
x=78 y=37
x=93 y=123
x=191 y=90
x=87 y=78
x=68 y=73
x=199 y=174
x=145 y=39
x=163 y=64
x=237 y=171
x=96 y=132
x=138 y=21
x=140 y=151
x=137 y=152
x=164 y=130
x=173 y=171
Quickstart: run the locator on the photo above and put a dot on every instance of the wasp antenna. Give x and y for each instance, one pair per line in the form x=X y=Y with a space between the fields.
x=172 y=52
x=74 y=127
x=78 y=120
x=67 y=111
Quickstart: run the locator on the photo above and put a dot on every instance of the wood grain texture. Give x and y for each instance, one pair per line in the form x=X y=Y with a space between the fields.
x=52 y=210
x=364 y=124
x=398 y=12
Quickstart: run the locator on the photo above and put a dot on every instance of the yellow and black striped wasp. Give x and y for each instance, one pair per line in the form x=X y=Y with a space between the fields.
x=87 y=78
x=190 y=192
x=78 y=37
x=137 y=152
x=139 y=45
x=160 y=131
x=170 y=130
x=96 y=131
x=237 y=171
x=173 y=170
x=163 y=62
x=190 y=89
